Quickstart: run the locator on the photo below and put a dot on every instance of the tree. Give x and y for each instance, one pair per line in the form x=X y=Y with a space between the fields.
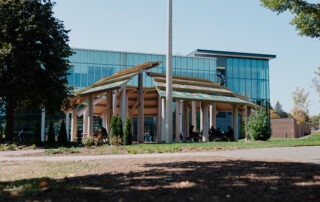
x=127 y=136
x=315 y=121
x=258 y=126
x=279 y=111
x=113 y=127
x=273 y=115
x=33 y=57
x=306 y=15
x=62 y=138
x=51 y=135
x=316 y=81
x=119 y=128
x=301 y=105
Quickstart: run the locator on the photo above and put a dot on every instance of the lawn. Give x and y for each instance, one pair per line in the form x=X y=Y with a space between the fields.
x=311 y=140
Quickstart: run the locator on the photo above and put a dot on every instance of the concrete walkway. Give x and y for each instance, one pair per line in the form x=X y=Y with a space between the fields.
x=293 y=154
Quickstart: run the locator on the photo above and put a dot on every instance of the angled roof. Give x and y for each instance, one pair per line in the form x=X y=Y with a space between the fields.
x=203 y=52
x=117 y=79
x=188 y=88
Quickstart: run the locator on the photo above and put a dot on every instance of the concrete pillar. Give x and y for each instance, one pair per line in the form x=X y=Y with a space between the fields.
x=159 y=125
x=68 y=126
x=235 y=122
x=74 y=127
x=85 y=123
x=194 y=114
x=90 y=117
x=43 y=123
x=140 y=134
x=177 y=121
x=114 y=103
x=163 y=120
x=185 y=118
x=109 y=111
x=213 y=118
x=205 y=121
x=123 y=106
x=201 y=118
x=247 y=111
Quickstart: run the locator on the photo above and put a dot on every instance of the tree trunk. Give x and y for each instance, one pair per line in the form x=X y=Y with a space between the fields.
x=9 y=120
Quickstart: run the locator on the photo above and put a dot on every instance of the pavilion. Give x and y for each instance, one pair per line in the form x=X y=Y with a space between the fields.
x=113 y=96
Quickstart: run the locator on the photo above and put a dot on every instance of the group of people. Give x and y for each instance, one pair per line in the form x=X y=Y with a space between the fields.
x=214 y=134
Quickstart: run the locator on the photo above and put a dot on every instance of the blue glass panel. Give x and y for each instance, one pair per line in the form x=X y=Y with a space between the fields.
x=91 y=56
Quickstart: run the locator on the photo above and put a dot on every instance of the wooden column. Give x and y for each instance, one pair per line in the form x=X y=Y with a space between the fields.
x=140 y=134
x=235 y=122
x=205 y=121
x=163 y=119
x=90 y=117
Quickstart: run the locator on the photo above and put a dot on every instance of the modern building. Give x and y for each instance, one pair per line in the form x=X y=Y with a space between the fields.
x=246 y=74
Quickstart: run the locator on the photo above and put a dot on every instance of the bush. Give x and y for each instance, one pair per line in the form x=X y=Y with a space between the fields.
x=37 y=133
x=113 y=127
x=62 y=138
x=51 y=135
x=119 y=128
x=258 y=126
x=116 y=140
x=127 y=136
x=89 y=142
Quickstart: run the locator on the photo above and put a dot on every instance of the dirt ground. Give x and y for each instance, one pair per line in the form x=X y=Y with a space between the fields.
x=161 y=179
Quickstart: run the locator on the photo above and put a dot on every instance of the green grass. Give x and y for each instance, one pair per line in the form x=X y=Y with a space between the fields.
x=63 y=150
x=312 y=140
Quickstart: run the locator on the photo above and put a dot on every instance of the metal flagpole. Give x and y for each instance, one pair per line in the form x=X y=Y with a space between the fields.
x=169 y=130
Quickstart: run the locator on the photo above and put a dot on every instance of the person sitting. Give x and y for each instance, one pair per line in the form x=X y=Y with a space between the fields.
x=147 y=136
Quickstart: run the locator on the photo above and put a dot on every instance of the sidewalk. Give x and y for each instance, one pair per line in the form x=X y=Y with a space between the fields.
x=293 y=154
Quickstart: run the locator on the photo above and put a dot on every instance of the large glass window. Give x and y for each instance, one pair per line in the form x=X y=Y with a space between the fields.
x=89 y=66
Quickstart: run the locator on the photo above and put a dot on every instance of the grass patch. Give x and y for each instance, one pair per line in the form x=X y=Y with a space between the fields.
x=63 y=150
x=312 y=140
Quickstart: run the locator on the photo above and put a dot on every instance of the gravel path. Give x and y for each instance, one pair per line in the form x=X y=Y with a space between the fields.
x=294 y=154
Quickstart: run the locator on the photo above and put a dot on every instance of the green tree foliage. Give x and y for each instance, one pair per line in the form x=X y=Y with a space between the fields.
x=306 y=15
x=279 y=111
x=37 y=133
x=315 y=121
x=33 y=57
x=258 y=126
x=62 y=138
x=127 y=136
x=301 y=104
x=113 y=127
x=51 y=135
x=119 y=128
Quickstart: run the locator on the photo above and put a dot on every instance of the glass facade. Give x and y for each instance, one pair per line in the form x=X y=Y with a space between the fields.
x=249 y=77
x=89 y=66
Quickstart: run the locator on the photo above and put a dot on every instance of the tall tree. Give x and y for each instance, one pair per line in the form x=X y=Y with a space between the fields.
x=33 y=57
x=316 y=81
x=277 y=108
x=306 y=15
x=301 y=104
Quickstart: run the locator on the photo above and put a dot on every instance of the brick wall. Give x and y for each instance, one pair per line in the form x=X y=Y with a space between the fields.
x=288 y=127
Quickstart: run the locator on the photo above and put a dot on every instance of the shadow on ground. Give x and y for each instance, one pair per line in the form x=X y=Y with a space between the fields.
x=230 y=180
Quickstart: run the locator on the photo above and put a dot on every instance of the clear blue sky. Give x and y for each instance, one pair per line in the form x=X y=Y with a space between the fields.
x=229 y=25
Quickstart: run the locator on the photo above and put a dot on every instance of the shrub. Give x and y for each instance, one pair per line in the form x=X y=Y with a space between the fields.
x=119 y=128
x=116 y=140
x=113 y=127
x=89 y=142
x=127 y=136
x=51 y=135
x=12 y=147
x=62 y=138
x=258 y=126
x=37 y=133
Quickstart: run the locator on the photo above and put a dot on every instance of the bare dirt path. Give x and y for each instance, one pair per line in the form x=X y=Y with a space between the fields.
x=295 y=154
x=272 y=174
